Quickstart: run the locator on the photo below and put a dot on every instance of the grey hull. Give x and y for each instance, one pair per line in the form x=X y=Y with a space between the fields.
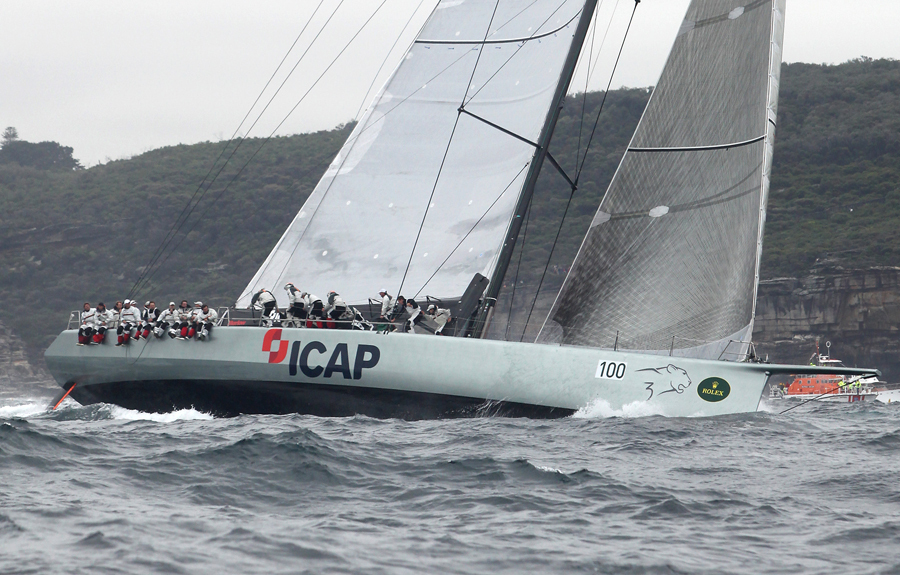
x=338 y=372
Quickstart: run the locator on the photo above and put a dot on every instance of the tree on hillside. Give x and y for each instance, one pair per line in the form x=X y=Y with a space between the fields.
x=43 y=155
x=10 y=134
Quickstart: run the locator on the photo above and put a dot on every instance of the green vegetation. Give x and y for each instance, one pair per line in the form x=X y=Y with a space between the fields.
x=68 y=234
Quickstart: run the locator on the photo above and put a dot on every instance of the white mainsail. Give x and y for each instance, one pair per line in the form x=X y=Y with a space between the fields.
x=421 y=194
x=670 y=263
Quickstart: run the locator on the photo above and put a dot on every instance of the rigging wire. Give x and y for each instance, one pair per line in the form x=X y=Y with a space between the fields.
x=235 y=149
x=587 y=77
x=814 y=398
x=606 y=93
x=386 y=57
x=472 y=229
x=179 y=221
x=270 y=136
x=512 y=298
x=521 y=45
x=447 y=149
x=351 y=141
x=572 y=193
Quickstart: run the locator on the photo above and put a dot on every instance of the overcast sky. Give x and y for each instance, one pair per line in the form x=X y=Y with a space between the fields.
x=113 y=79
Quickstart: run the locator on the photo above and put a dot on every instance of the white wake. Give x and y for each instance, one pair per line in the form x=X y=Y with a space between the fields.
x=601 y=409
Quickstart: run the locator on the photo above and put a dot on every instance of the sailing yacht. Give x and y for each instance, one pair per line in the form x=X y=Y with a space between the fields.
x=428 y=195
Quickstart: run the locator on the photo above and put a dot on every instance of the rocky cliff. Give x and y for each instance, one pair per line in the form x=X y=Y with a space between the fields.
x=16 y=372
x=858 y=311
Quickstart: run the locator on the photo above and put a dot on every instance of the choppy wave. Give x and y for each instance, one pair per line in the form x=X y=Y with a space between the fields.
x=608 y=491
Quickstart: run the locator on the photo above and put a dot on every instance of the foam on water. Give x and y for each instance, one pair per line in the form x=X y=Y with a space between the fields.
x=22 y=410
x=601 y=409
x=116 y=412
x=69 y=408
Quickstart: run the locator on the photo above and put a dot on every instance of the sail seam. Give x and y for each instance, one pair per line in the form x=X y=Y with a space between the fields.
x=508 y=41
x=701 y=148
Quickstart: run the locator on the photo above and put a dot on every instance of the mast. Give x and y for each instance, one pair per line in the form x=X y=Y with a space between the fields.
x=534 y=169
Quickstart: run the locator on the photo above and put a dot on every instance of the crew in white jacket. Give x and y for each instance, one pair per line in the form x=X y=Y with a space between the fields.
x=129 y=318
x=206 y=319
x=296 y=312
x=184 y=314
x=264 y=301
x=338 y=310
x=102 y=321
x=314 y=309
x=149 y=317
x=440 y=316
x=167 y=321
x=198 y=305
x=86 y=328
x=387 y=303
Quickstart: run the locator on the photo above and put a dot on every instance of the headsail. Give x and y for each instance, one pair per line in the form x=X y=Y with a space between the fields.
x=425 y=186
x=670 y=263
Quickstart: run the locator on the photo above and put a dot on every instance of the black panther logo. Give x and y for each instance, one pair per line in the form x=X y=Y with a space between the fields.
x=668 y=378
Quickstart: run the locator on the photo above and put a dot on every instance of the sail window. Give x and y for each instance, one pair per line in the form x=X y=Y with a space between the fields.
x=600 y=218
x=659 y=211
x=736 y=13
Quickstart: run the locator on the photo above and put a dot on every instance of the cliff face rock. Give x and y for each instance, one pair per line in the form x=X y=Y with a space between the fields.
x=16 y=372
x=858 y=311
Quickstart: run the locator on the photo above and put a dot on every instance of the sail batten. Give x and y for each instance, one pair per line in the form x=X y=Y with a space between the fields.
x=670 y=263
x=416 y=162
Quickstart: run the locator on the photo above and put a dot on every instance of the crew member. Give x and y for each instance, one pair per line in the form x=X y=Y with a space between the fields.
x=198 y=307
x=184 y=314
x=206 y=319
x=296 y=313
x=263 y=300
x=386 y=303
x=102 y=321
x=338 y=311
x=415 y=315
x=129 y=318
x=149 y=317
x=440 y=316
x=316 y=310
x=167 y=321
x=86 y=328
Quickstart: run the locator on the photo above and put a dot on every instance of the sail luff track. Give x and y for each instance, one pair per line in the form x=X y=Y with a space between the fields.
x=534 y=169
x=778 y=13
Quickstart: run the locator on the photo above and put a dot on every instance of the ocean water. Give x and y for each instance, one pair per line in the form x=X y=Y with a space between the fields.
x=102 y=489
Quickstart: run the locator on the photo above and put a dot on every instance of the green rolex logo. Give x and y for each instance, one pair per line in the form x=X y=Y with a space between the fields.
x=713 y=389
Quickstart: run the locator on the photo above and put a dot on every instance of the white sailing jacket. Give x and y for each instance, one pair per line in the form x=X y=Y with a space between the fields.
x=294 y=296
x=129 y=315
x=103 y=318
x=89 y=317
x=387 y=302
x=150 y=316
x=168 y=316
x=184 y=314
x=210 y=316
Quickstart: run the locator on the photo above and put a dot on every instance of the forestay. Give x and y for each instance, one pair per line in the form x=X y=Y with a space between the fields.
x=670 y=263
x=420 y=184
